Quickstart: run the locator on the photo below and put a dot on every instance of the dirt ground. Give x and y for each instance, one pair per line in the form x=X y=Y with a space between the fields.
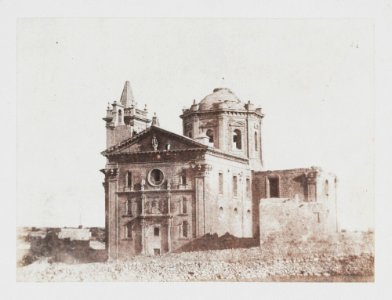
x=344 y=257
x=217 y=265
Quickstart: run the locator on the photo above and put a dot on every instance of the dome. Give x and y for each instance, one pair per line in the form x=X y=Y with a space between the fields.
x=218 y=96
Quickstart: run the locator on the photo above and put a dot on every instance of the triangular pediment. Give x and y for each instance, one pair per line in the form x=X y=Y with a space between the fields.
x=154 y=139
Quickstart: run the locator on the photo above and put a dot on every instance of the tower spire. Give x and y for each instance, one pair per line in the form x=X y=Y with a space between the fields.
x=127 y=99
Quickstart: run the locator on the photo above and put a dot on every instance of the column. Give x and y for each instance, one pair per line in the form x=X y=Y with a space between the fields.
x=112 y=213
x=169 y=226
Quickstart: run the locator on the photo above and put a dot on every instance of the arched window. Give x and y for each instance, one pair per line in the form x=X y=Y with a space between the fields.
x=210 y=135
x=237 y=142
x=119 y=116
x=256 y=141
x=190 y=134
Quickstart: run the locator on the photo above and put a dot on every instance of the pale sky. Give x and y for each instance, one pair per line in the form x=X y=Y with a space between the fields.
x=314 y=80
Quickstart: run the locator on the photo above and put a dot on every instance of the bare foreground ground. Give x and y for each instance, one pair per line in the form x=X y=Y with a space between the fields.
x=217 y=265
x=345 y=256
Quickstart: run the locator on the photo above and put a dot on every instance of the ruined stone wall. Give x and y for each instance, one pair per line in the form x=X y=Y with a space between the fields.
x=288 y=220
x=292 y=183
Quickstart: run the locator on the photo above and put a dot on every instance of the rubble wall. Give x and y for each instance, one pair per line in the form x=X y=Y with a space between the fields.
x=288 y=220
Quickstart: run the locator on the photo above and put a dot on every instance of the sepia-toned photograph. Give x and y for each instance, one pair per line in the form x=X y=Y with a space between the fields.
x=174 y=149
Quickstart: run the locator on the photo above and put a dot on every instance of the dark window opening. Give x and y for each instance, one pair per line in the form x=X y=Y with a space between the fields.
x=237 y=142
x=256 y=141
x=190 y=134
x=274 y=187
x=129 y=179
x=156 y=231
x=185 y=229
x=221 y=183
x=183 y=177
x=119 y=116
x=156 y=177
x=157 y=251
x=210 y=135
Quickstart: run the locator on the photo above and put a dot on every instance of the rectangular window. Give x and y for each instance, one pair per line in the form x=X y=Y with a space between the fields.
x=221 y=183
x=128 y=179
x=235 y=187
x=156 y=231
x=128 y=208
x=183 y=177
x=184 y=206
x=273 y=187
x=128 y=231
x=185 y=229
x=248 y=187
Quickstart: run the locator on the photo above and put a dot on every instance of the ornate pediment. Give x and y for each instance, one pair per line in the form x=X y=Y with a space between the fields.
x=154 y=139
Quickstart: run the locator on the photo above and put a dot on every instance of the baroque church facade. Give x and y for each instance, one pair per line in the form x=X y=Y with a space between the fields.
x=163 y=190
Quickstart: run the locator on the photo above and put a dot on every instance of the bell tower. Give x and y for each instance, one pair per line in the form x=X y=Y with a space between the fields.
x=228 y=124
x=124 y=119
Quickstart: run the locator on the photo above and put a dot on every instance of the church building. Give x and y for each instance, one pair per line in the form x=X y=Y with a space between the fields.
x=163 y=190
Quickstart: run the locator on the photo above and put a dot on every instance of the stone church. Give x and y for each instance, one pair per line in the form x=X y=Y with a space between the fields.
x=163 y=190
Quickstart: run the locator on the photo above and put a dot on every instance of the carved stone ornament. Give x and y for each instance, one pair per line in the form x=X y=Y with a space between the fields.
x=112 y=172
x=154 y=143
x=201 y=168
x=208 y=124
x=236 y=123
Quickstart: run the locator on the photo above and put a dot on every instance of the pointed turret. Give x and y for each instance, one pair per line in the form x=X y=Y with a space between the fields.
x=123 y=119
x=127 y=99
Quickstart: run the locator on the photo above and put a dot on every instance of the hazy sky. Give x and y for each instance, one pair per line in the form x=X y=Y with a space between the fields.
x=314 y=80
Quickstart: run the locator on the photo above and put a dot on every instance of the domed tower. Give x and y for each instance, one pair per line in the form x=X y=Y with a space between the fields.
x=228 y=124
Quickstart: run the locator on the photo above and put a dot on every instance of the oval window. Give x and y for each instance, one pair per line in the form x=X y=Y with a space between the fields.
x=155 y=177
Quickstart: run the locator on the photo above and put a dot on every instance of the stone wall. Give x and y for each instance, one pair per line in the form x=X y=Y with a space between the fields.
x=288 y=220
x=225 y=210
